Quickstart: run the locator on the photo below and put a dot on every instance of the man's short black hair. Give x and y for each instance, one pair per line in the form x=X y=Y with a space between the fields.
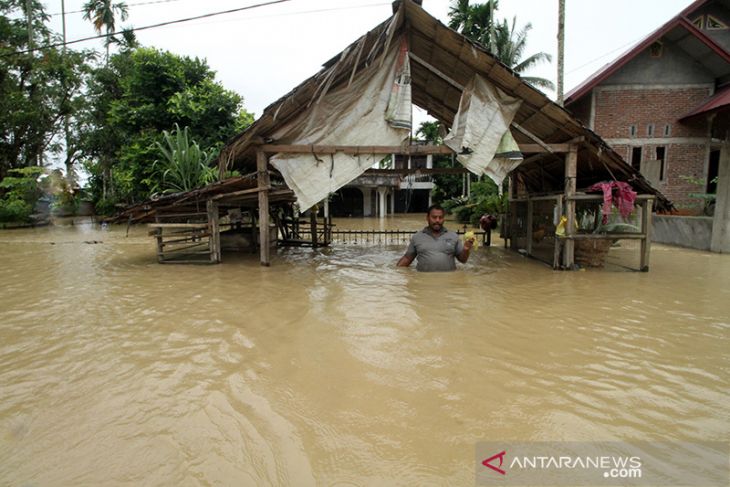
x=435 y=207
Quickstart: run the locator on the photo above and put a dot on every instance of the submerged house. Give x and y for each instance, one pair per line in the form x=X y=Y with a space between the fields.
x=335 y=126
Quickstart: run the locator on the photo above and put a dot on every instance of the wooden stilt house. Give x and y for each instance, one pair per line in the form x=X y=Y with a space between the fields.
x=335 y=125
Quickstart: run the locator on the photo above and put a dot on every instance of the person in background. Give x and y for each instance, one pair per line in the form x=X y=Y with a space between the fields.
x=435 y=248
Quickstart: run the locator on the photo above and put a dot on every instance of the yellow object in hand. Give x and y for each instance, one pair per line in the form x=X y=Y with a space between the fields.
x=470 y=236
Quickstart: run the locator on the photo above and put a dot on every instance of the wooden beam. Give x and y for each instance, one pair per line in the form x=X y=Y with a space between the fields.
x=263 y=183
x=395 y=149
x=214 y=241
x=421 y=171
x=239 y=193
x=646 y=207
x=436 y=71
x=557 y=242
x=542 y=148
x=530 y=207
x=356 y=149
x=532 y=136
x=571 y=170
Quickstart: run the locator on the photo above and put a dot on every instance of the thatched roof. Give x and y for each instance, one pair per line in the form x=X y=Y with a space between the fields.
x=443 y=61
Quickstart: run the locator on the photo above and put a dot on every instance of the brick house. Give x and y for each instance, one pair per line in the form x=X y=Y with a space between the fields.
x=664 y=105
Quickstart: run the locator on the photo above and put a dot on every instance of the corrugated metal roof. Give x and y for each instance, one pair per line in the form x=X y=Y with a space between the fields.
x=719 y=100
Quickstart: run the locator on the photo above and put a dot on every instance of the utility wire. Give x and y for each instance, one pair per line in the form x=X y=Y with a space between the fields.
x=135 y=29
x=137 y=4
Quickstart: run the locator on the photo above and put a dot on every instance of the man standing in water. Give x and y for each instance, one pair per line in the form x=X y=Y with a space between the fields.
x=435 y=247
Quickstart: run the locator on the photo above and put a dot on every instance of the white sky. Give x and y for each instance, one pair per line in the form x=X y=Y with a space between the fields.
x=265 y=52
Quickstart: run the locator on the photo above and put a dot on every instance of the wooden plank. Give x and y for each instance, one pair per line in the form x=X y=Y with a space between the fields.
x=599 y=197
x=178 y=225
x=529 y=226
x=436 y=71
x=556 y=250
x=646 y=235
x=237 y=193
x=356 y=149
x=214 y=241
x=395 y=149
x=571 y=169
x=262 y=161
x=423 y=171
x=604 y=236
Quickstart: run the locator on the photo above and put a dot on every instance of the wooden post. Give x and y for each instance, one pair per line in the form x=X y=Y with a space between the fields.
x=646 y=207
x=263 y=183
x=556 y=251
x=214 y=241
x=313 y=225
x=571 y=170
x=528 y=245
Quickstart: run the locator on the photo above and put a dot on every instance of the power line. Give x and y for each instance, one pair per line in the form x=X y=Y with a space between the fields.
x=153 y=26
x=137 y=4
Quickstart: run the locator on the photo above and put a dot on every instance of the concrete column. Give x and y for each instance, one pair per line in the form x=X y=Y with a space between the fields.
x=326 y=207
x=392 y=201
x=721 y=221
x=382 y=203
x=367 y=202
x=429 y=161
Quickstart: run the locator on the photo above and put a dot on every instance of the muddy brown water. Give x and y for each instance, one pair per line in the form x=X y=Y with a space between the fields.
x=333 y=367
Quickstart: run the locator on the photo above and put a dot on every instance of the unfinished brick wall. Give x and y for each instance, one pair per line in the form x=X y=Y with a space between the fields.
x=618 y=110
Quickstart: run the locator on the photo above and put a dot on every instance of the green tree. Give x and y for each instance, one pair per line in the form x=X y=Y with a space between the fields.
x=102 y=14
x=504 y=40
x=137 y=96
x=509 y=47
x=477 y=22
x=38 y=88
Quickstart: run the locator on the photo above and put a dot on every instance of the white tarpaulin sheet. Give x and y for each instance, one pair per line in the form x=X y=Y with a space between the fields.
x=347 y=115
x=481 y=125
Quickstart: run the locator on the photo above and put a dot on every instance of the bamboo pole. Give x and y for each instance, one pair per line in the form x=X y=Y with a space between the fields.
x=263 y=182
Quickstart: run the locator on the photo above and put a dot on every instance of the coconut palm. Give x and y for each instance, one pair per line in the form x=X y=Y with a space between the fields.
x=505 y=41
x=102 y=14
x=474 y=21
x=509 y=45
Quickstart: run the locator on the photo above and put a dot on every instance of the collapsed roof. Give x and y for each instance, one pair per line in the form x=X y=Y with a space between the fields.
x=443 y=62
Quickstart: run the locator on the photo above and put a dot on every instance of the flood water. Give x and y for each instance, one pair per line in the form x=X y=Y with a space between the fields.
x=332 y=367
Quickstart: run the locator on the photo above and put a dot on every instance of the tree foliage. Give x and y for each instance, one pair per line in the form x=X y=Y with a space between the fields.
x=38 y=88
x=502 y=38
x=184 y=165
x=135 y=98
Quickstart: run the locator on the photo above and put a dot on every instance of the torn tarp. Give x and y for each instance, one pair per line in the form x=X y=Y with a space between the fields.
x=351 y=114
x=480 y=135
x=400 y=110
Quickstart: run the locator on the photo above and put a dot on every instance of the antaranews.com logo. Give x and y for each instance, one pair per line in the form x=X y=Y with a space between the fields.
x=603 y=463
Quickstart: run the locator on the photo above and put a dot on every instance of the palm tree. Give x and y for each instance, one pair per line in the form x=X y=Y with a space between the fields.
x=478 y=23
x=102 y=13
x=474 y=21
x=509 y=46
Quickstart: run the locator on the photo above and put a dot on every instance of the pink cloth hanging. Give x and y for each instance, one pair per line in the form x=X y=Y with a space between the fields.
x=617 y=193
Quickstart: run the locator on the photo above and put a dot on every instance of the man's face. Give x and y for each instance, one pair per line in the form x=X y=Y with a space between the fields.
x=435 y=220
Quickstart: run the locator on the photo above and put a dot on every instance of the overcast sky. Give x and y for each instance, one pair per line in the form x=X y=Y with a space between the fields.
x=265 y=52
